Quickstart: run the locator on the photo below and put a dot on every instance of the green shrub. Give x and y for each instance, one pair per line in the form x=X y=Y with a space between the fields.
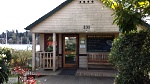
x=20 y=57
x=5 y=57
x=130 y=54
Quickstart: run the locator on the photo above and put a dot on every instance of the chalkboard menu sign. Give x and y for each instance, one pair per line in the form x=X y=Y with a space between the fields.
x=99 y=43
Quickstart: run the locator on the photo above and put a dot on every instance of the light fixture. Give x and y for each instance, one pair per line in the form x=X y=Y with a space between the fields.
x=86 y=30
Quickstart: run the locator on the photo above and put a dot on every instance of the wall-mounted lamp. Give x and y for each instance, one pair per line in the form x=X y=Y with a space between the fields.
x=86 y=31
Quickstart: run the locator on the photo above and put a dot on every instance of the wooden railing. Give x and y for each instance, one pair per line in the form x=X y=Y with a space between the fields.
x=97 y=59
x=46 y=60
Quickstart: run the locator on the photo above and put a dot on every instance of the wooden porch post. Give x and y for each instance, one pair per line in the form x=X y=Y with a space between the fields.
x=54 y=51
x=33 y=51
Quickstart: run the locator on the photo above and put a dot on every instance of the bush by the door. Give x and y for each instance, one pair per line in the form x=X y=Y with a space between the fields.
x=130 y=54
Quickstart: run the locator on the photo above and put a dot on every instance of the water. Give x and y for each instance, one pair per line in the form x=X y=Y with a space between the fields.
x=20 y=46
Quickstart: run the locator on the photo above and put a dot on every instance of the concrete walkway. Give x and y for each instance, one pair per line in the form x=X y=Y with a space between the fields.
x=82 y=76
x=67 y=79
x=80 y=72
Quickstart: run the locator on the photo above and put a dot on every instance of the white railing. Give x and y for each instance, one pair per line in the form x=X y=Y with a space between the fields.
x=45 y=60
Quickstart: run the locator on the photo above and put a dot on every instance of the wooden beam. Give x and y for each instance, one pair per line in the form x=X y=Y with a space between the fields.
x=33 y=51
x=54 y=51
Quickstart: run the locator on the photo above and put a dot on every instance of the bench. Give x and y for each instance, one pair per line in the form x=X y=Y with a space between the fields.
x=97 y=59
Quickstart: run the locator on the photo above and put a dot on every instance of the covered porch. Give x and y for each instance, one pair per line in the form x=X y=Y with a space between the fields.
x=43 y=59
x=80 y=50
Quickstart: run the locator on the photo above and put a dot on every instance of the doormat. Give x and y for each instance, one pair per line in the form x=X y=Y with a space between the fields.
x=68 y=72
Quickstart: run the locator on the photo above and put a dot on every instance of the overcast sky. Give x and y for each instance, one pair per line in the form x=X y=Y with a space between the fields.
x=18 y=14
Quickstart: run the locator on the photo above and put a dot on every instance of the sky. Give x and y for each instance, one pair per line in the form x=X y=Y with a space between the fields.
x=18 y=14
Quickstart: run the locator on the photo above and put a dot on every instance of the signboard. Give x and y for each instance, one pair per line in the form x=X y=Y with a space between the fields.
x=99 y=43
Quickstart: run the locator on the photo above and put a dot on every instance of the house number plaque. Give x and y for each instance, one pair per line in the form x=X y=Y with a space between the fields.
x=86 y=27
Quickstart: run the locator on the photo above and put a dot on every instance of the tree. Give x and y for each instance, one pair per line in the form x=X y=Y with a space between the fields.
x=5 y=57
x=128 y=13
x=3 y=35
x=14 y=38
x=30 y=38
x=26 y=33
x=21 y=35
x=17 y=36
x=130 y=52
x=24 y=40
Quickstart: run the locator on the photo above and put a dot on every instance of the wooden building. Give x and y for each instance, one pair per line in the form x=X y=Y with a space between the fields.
x=70 y=32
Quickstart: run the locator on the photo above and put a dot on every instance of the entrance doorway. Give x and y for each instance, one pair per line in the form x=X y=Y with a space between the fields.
x=70 y=51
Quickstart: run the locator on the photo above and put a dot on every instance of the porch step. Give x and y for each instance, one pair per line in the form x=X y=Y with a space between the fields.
x=97 y=73
x=100 y=67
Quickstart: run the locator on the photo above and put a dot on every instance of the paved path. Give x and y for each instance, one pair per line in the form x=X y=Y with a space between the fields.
x=83 y=76
x=68 y=79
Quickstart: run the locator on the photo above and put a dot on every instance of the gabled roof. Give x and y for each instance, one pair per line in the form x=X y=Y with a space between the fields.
x=48 y=14
x=57 y=9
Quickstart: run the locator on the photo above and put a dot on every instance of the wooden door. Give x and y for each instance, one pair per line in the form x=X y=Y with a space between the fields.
x=70 y=50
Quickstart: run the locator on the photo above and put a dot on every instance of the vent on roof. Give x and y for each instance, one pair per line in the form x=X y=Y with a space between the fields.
x=86 y=1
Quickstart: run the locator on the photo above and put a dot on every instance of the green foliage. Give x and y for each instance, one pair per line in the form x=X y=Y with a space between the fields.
x=20 y=57
x=130 y=54
x=5 y=57
x=128 y=13
x=49 y=49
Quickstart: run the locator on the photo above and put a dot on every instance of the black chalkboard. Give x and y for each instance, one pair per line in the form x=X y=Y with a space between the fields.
x=99 y=43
